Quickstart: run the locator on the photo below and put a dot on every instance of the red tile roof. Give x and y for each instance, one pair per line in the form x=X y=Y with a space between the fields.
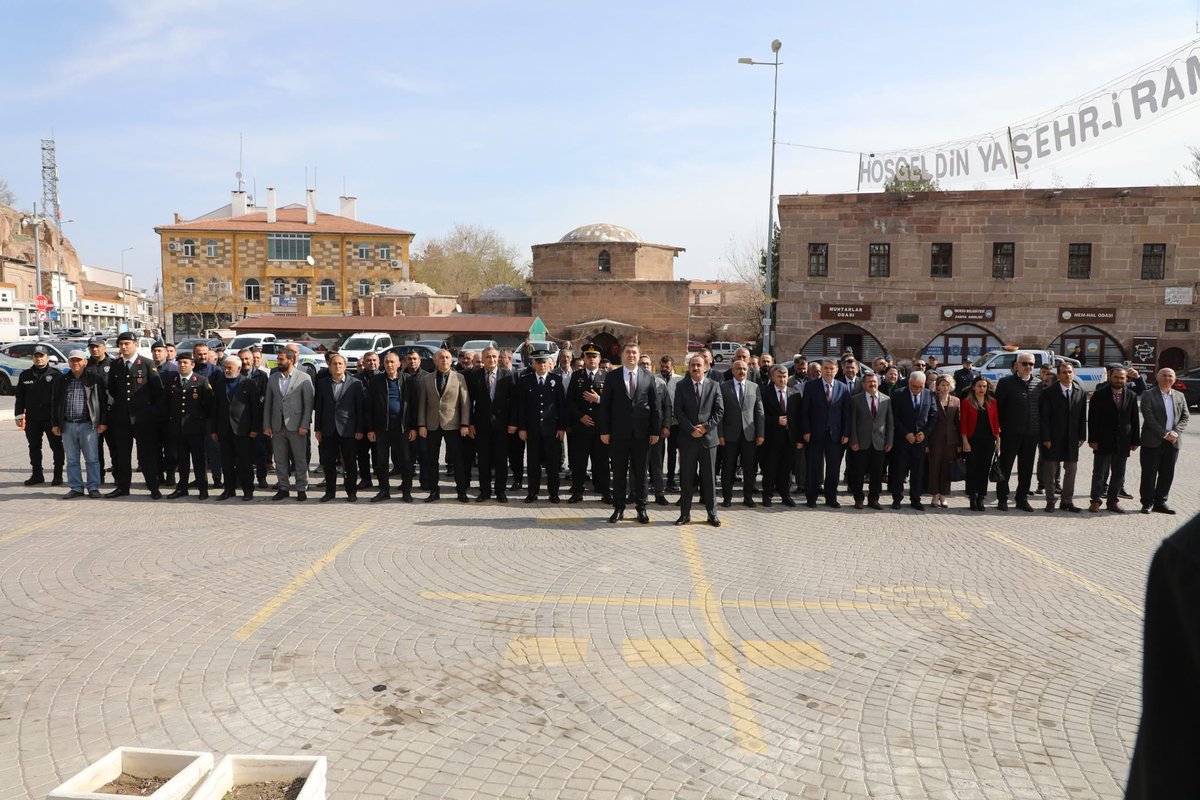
x=454 y=323
x=288 y=220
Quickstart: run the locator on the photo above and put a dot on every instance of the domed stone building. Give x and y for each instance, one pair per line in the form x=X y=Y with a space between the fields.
x=603 y=283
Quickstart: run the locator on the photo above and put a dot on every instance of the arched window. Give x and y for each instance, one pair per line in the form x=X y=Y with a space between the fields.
x=189 y=285
x=214 y=285
x=364 y=288
x=189 y=248
x=385 y=285
x=302 y=287
x=210 y=248
x=328 y=290
x=251 y=289
x=604 y=261
x=278 y=287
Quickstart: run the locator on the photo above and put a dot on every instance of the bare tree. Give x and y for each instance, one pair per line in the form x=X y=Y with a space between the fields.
x=470 y=258
x=1190 y=175
x=7 y=197
x=744 y=263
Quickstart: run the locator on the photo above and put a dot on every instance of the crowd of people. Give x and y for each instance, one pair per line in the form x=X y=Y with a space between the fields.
x=626 y=433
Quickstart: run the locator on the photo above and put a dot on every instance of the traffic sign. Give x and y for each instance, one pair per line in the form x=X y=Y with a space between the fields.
x=54 y=316
x=49 y=305
x=42 y=302
x=42 y=316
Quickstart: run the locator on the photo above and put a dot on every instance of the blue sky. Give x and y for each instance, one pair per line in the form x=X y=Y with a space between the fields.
x=534 y=118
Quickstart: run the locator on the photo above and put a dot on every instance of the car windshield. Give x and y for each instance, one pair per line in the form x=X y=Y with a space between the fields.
x=243 y=341
x=359 y=342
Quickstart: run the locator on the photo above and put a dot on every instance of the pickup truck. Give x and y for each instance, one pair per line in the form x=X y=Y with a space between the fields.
x=996 y=364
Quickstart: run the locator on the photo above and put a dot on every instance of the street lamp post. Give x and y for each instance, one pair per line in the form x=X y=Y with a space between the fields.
x=767 y=312
x=36 y=221
x=125 y=288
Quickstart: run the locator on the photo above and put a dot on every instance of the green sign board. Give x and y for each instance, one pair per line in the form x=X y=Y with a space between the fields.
x=538 y=329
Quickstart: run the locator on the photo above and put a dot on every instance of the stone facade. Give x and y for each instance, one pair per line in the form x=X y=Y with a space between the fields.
x=1077 y=286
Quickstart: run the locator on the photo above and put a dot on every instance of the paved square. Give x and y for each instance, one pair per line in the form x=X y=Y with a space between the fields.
x=520 y=651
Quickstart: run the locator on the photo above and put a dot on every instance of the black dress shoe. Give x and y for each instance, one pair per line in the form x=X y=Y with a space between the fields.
x=262 y=484
x=433 y=497
x=1023 y=505
x=35 y=480
x=246 y=498
x=351 y=498
x=712 y=520
x=917 y=505
x=896 y=503
x=531 y=498
x=380 y=497
x=788 y=501
x=203 y=495
x=726 y=503
x=325 y=498
x=224 y=495
x=301 y=497
x=833 y=504
x=643 y=517
x=462 y=498
x=180 y=492
x=71 y=495
x=282 y=494
x=216 y=484
x=617 y=516
x=1125 y=494
x=406 y=497
x=501 y=498
x=684 y=519
x=749 y=502
x=57 y=481
x=810 y=503
x=554 y=498
x=155 y=494
x=365 y=483
x=1002 y=504
x=1145 y=509
x=766 y=501
x=661 y=500
x=1162 y=508
x=1074 y=509
x=575 y=497
x=875 y=505
x=94 y=494
x=483 y=498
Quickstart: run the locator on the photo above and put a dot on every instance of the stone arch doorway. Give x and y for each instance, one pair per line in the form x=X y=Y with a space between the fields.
x=610 y=347
x=835 y=340
x=952 y=344
x=1091 y=347
x=1173 y=357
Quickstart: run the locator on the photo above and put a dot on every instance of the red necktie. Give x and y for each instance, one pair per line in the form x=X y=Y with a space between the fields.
x=872 y=405
x=828 y=393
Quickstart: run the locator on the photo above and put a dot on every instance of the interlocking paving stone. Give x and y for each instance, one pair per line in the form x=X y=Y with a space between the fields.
x=532 y=651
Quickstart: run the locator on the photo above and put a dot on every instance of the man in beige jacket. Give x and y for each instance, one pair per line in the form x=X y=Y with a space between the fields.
x=444 y=414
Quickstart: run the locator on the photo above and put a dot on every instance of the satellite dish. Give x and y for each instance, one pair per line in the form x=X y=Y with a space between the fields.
x=311 y=261
x=457 y=308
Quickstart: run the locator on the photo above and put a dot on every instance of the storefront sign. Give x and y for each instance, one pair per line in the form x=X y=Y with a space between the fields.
x=1145 y=353
x=845 y=312
x=969 y=313
x=1085 y=315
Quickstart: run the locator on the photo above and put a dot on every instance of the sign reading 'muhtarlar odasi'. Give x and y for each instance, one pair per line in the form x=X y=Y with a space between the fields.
x=846 y=311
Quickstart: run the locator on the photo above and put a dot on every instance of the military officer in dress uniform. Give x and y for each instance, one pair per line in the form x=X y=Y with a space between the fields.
x=190 y=400
x=136 y=389
x=542 y=423
x=583 y=400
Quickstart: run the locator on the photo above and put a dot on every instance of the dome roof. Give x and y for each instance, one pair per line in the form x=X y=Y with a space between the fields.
x=503 y=292
x=410 y=289
x=601 y=232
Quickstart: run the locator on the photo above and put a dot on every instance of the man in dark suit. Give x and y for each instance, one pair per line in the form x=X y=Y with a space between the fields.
x=542 y=423
x=699 y=407
x=1017 y=398
x=1113 y=434
x=825 y=426
x=1165 y=416
x=190 y=402
x=492 y=390
x=871 y=434
x=339 y=420
x=743 y=429
x=237 y=424
x=914 y=415
x=136 y=389
x=630 y=421
x=584 y=443
x=781 y=412
x=1063 y=423
x=851 y=375
x=391 y=411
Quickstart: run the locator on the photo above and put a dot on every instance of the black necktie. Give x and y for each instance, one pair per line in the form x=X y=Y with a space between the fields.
x=441 y=382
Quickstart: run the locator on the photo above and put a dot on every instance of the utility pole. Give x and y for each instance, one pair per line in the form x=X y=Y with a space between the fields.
x=36 y=222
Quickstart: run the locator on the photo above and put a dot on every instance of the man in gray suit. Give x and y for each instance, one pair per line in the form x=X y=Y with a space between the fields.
x=742 y=430
x=699 y=407
x=1164 y=417
x=340 y=426
x=870 y=440
x=287 y=414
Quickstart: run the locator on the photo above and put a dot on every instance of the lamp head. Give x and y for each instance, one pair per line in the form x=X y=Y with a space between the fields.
x=775 y=45
x=745 y=60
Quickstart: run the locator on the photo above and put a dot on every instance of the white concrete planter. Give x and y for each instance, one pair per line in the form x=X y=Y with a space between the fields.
x=183 y=769
x=233 y=771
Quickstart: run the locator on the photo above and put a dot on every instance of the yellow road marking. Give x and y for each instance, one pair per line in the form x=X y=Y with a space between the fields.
x=670 y=652
x=561 y=520
x=559 y=598
x=32 y=527
x=1116 y=598
x=749 y=734
x=275 y=603
x=782 y=654
x=549 y=651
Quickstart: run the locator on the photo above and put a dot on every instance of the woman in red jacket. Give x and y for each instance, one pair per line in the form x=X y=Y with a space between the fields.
x=979 y=424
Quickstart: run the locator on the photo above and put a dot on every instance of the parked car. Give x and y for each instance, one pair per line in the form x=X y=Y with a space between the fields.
x=479 y=345
x=11 y=369
x=436 y=344
x=1189 y=383
x=144 y=349
x=356 y=345
x=188 y=345
x=58 y=350
x=722 y=352
x=317 y=346
x=248 y=339
x=270 y=351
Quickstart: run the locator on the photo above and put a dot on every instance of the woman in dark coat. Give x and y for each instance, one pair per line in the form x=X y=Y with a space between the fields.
x=979 y=424
x=944 y=442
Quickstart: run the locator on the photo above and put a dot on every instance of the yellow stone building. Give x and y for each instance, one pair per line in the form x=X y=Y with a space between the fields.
x=241 y=260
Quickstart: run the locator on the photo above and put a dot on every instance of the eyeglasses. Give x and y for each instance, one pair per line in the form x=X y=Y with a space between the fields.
x=1024 y=363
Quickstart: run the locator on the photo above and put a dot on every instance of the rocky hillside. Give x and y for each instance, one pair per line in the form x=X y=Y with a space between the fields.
x=17 y=242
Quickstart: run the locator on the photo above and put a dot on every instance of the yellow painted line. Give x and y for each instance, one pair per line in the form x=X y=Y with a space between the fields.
x=559 y=598
x=746 y=728
x=275 y=603
x=1116 y=598
x=670 y=652
x=32 y=527
x=548 y=651
x=815 y=605
x=561 y=520
x=783 y=654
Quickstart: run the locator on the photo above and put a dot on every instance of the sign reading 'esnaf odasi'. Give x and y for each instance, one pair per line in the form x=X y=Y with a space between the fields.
x=1126 y=104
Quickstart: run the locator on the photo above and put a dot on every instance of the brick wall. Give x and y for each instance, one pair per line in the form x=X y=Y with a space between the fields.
x=658 y=307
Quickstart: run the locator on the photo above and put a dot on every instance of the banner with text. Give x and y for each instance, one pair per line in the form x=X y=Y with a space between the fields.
x=1161 y=87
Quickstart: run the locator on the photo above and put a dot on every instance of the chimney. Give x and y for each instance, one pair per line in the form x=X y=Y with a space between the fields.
x=349 y=207
x=311 y=211
x=407 y=277
x=270 y=204
x=238 y=204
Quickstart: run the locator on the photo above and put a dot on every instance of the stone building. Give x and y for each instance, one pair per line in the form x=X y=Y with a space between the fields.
x=602 y=283
x=1103 y=274
x=243 y=259
x=406 y=298
x=502 y=300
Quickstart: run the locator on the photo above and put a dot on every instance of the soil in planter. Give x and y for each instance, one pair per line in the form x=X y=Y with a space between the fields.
x=267 y=790
x=128 y=785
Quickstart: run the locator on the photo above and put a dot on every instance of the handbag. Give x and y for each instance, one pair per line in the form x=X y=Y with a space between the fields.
x=996 y=473
x=958 y=470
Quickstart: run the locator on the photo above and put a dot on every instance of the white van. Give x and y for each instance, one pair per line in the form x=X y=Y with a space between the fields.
x=248 y=340
x=359 y=344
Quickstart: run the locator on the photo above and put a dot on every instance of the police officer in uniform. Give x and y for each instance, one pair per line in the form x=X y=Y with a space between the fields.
x=542 y=423
x=166 y=368
x=34 y=388
x=190 y=399
x=99 y=364
x=136 y=389
x=583 y=400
